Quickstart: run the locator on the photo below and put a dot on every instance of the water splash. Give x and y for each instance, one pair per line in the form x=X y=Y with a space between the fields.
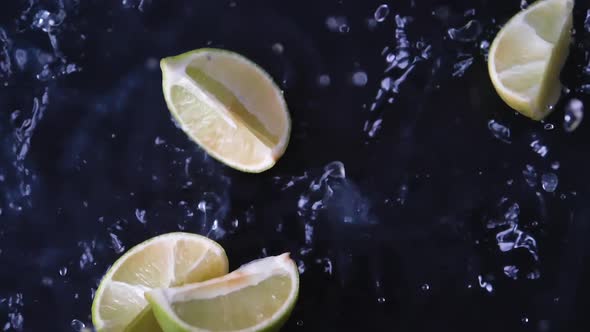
x=320 y=190
x=510 y=236
x=15 y=304
x=47 y=21
x=513 y=238
x=400 y=61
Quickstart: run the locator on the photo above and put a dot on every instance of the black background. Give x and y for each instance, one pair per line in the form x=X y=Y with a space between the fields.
x=414 y=266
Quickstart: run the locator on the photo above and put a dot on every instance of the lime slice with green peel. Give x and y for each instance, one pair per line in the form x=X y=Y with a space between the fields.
x=258 y=296
x=528 y=54
x=167 y=260
x=229 y=106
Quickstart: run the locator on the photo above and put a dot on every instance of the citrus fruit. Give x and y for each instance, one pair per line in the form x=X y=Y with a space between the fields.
x=229 y=106
x=258 y=296
x=167 y=260
x=528 y=54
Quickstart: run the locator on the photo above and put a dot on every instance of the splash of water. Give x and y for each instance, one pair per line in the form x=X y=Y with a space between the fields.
x=320 y=190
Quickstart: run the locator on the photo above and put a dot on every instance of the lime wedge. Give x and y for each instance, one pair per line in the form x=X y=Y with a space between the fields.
x=167 y=260
x=528 y=54
x=229 y=106
x=257 y=297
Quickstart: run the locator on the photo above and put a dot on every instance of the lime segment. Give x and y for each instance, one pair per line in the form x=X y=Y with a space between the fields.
x=257 y=297
x=528 y=54
x=229 y=106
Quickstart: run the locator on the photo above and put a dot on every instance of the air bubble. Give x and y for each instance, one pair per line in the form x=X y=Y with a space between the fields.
x=381 y=13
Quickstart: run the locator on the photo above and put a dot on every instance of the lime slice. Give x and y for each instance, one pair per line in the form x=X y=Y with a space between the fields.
x=163 y=261
x=229 y=106
x=528 y=54
x=257 y=297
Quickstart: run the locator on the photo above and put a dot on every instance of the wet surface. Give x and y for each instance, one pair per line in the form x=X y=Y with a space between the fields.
x=410 y=196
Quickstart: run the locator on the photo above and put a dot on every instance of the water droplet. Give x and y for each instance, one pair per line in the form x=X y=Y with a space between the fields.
x=484 y=47
x=140 y=215
x=544 y=326
x=16 y=321
x=344 y=28
x=46 y=281
x=216 y=232
x=539 y=148
x=485 y=285
x=374 y=128
x=359 y=78
x=461 y=67
x=467 y=33
x=63 y=271
x=511 y=271
x=335 y=23
x=116 y=243
x=425 y=287
x=278 y=48
x=549 y=126
x=534 y=275
x=21 y=57
x=381 y=300
x=324 y=80
x=77 y=325
x=555 y=165
x=301 y=267
x=549 y=182
x=381 y=13
x=499 y=131
x=513 y=238
x=45 y=20
x=574 y=113
x=151 y=63
x=530 y=175
x=299 y=323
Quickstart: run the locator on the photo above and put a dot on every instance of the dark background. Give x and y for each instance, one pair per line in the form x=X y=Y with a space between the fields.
x=416 y=199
